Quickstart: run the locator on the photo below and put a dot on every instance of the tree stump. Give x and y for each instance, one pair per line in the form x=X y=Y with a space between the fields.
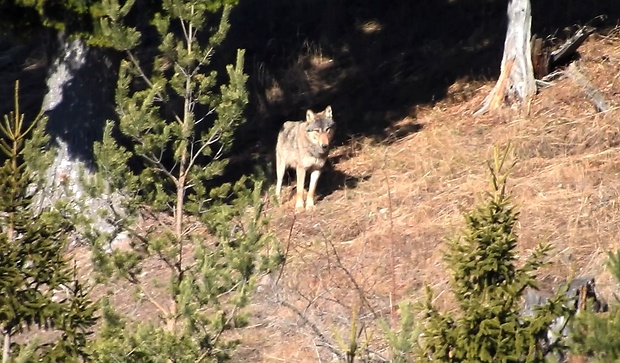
x=516 y=81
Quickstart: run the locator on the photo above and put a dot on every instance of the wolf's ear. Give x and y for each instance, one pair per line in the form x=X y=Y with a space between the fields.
x=328 y=112
x=310 y=116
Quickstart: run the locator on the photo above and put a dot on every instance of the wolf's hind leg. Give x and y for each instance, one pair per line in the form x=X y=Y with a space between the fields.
x=280 y=169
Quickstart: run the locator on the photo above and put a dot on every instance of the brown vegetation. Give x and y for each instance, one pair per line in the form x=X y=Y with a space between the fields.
x=377 y=235
x=388 y=202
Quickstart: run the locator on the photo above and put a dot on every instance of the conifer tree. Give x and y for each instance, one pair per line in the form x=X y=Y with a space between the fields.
x=598 y=335
x=38 y=285
x=177 y=125
x=488 y=286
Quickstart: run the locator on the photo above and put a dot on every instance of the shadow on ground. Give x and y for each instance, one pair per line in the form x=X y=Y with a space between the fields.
x=375 y=62
x=333 y=180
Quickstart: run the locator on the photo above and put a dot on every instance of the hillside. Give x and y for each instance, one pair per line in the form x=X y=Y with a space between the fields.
x=387 y=207
x=410 y=158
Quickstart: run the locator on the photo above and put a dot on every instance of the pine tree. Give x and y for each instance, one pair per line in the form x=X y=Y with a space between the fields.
x=38 y=285
x=177 y=127
x=488 y=286
x=597 y=335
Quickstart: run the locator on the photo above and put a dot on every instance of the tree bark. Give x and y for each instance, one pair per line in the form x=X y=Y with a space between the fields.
x=516 y=81
x=81 y=87
x=6 y=347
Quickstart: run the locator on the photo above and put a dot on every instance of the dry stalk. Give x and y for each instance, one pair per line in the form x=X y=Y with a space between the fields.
x=392 y=241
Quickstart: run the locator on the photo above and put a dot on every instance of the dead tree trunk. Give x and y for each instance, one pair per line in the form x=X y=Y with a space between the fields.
x=516 y=81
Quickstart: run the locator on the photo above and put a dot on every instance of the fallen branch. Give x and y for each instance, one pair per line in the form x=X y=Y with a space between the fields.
x=545 y=61
x=562 y=54
x=595 y=96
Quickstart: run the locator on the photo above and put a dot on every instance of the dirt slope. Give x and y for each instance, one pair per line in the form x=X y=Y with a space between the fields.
x=387 y=207
x=376 y=237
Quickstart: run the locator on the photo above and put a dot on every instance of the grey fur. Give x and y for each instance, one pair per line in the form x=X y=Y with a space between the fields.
x=304 y=146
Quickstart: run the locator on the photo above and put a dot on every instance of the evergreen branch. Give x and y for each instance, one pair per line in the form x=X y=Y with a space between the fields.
x=223 y=328
x=168 y=261
x=613 y=264
x=159 y=307
x=202 y=61
x=202 y=147
x=208 y=54
x=147 y=80
x=159 y=222
x=205 y=116
x=5 y=148
x=7 y=129
x=219 y=153
x=161 y=168
x=188 y=230
x=185 y=31
x=180 y=68
x=32 y=124
x=144 y=77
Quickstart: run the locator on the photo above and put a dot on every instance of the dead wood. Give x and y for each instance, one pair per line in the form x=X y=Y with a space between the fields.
x=544 y=61
x=596 y=97
x=565 y=52
x=516 y=81
x=540 y=57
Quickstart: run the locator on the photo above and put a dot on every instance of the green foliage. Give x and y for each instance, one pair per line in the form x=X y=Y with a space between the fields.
x=402 y=341
x=596 y=335
x=354 y=346
x=38 y=287
x=207 y=235
x=70 y=16
x=488 y=287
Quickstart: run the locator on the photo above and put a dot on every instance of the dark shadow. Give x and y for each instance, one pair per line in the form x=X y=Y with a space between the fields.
x=85 y=104
x=26 y=62
x=80 y=109
x=398 y=132
x=333 y=180
x=375 y=62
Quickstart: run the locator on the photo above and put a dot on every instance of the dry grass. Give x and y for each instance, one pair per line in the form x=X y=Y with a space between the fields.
x=376 y=237
x=373 y=244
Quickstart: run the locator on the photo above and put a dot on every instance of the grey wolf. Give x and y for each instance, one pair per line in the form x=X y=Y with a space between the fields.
x=304 y=146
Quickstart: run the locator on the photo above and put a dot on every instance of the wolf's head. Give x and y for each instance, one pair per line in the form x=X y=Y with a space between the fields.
x=320 y=127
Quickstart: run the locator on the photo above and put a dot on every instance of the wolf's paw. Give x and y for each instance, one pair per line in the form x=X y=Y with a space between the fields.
x=299 y=206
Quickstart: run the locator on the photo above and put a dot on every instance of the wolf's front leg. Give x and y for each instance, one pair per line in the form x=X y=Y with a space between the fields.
x=314 y=178
x=301 y=179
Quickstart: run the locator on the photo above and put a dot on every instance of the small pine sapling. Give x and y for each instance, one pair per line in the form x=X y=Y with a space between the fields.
x=206 y=236
x=38 y=284
x=488 y=325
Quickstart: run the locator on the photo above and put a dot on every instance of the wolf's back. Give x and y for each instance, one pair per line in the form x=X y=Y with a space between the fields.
x=287 y=146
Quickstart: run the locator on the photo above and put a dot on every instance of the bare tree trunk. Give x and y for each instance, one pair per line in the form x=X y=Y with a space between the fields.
x=6 y=348
x=516 y=81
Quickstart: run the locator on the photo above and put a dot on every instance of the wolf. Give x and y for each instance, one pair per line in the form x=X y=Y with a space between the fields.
x=304 y=145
